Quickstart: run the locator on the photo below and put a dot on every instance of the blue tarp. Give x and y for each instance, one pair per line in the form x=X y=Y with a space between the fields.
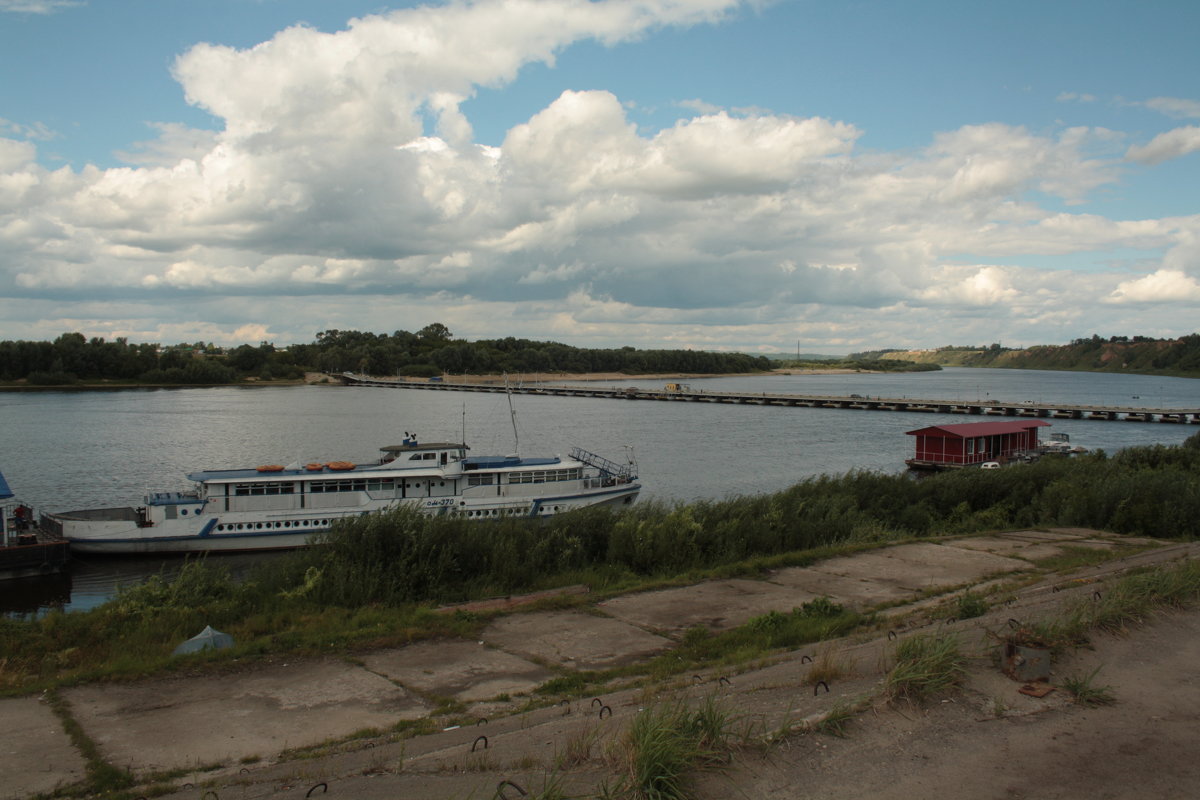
x=205 y=639
x=5 y=492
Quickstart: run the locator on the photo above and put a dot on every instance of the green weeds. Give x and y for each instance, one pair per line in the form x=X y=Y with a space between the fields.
x=970 y=605
x=1085 y=691
x=925 y=666
x=103 y=778
x=666 y=742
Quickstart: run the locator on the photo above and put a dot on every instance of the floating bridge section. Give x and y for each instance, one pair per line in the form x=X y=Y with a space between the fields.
x=995 y=408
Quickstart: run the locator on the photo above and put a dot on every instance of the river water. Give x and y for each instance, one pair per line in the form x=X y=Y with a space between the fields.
x=87 y=449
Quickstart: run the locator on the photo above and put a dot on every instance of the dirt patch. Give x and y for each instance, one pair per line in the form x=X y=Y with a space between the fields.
x=993 y=742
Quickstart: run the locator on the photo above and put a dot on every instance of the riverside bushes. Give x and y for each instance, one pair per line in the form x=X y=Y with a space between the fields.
x=404 y=556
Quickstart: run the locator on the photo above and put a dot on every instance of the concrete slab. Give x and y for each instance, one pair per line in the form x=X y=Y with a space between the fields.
x=716 y=605
x=1056 y=535
x=1027 y=549
x=1134 y=541
x=1093 y=544
x=1036 y=552
x=192 y=721
x=573 y=639
x=466 y=671
x=36 y=755
x=855 y=593
x=1001 y=545
x=969 y=564
x=921 y=566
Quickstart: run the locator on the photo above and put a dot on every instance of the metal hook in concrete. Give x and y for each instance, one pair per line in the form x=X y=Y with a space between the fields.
x=818 y=685
x=324 y=789
x=805 y=659
x=603 y=709
x=724 y=681
x=477 y=741
x=500 y=795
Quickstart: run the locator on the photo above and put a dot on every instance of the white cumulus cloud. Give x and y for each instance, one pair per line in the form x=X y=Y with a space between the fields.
x=1163 y=286
x=1165 y=146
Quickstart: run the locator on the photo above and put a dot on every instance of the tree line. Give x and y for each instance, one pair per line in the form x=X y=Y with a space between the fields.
x=433 y=350
x=1136 y=354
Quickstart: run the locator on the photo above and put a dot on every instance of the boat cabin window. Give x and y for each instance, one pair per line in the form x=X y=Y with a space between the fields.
x=354 y=485
x=246 y=489
x=423 y=457
x=544 y=476
x=486 y=479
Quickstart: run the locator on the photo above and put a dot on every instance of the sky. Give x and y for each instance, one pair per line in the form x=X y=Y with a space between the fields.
x=799 y=175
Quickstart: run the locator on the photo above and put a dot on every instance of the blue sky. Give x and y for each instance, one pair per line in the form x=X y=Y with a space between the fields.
x=708 y=174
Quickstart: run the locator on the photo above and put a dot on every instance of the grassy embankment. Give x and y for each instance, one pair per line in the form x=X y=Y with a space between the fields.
x=378 y=578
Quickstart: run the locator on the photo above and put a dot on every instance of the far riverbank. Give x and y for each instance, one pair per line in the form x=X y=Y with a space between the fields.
x=321 y=378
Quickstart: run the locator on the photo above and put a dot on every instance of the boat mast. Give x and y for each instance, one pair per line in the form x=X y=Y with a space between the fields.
x=512 y=413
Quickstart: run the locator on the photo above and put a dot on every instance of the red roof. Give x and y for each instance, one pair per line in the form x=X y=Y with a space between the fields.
x=966 y=430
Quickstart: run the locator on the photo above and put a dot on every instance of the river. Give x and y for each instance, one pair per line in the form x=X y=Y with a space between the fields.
x=85 y=449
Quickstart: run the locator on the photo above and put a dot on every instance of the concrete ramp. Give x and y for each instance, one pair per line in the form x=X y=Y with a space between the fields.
x=465 y=671
x=716 y=605
x=572 y=639
x=165 y=724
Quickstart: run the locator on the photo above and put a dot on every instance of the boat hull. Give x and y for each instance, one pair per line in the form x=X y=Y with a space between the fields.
x=123 y=532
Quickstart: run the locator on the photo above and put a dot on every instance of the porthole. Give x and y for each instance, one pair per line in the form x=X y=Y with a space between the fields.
x=239 y=526
x=183 y=512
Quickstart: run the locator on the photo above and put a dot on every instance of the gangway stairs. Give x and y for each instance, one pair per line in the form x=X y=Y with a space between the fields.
x=626 y=472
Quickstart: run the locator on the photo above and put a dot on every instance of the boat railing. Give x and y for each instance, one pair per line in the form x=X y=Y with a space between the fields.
x=606 y=466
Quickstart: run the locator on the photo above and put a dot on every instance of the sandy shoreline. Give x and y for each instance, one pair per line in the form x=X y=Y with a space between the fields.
x=620 y=377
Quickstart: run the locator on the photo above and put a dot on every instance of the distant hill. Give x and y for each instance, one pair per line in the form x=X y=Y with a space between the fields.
x=1139 y=354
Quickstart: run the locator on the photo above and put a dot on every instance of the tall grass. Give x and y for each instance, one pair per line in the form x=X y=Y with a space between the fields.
x=926 y=665
x=666 y=742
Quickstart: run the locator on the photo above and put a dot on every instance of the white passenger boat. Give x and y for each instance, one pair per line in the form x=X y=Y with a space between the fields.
x=276 y=507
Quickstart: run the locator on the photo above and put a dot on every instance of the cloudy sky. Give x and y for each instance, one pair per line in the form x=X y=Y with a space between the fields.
x=659 y=173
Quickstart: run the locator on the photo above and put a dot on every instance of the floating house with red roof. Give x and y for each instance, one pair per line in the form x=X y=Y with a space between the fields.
x=974 y=443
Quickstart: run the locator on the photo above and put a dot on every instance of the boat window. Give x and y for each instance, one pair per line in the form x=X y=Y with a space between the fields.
x=351 y=485
x=485 y=479
x=545 y=476
x=247 y=489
